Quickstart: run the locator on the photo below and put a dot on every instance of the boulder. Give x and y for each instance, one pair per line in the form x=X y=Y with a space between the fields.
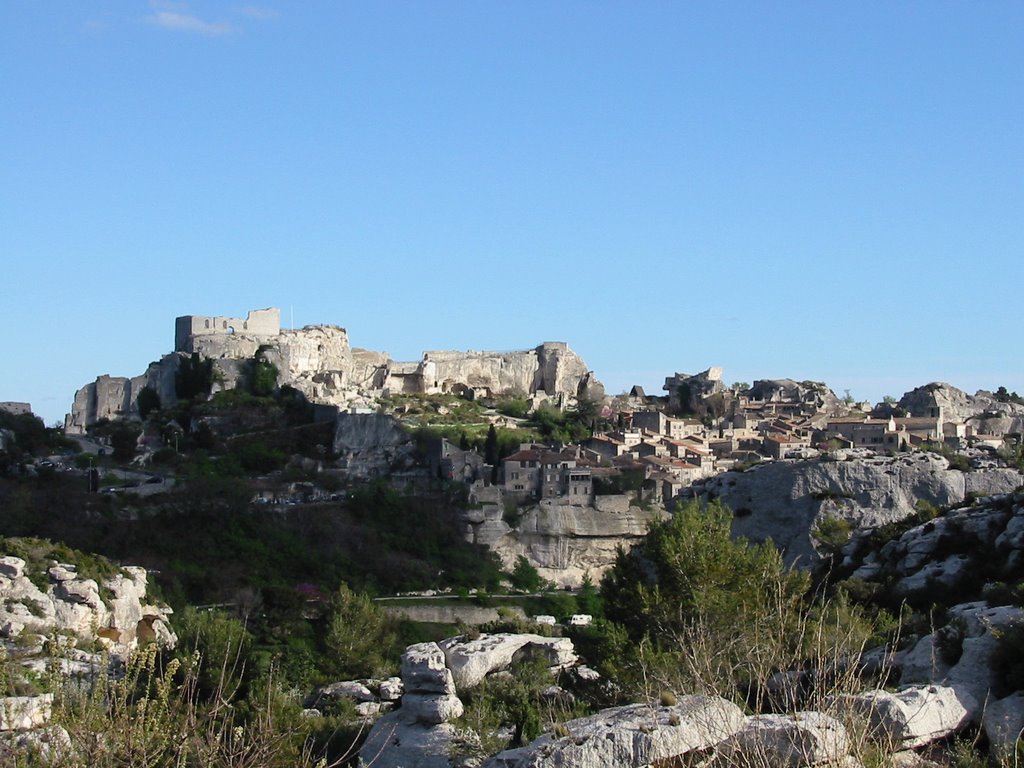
x=391 y=689
x=975 y=627
x=630 y=737
x=912 y=717
x=12 y=567
x=431 y=709
x=470 y=661
x=1003 y=723
x=792 y=741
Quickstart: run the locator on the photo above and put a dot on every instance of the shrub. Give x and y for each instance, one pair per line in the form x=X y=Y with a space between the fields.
x=707 y=613
x=1007 y=660
x=832 y=533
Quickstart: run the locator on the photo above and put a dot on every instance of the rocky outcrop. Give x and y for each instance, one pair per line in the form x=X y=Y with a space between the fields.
x=470 y=661
x=948 y=558
x=788 y=741
x=982 y=410
x=418 y=734
x=959 y=655
x=785 y=500
x=631 y=737
x=563 y=541
x=115 y=613
x=813 y=394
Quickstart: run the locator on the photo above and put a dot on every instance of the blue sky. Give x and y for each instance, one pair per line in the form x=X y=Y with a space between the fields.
x=832 y=191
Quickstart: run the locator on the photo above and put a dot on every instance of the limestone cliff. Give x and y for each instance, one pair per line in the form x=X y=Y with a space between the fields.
x=784 y=500
x=562 y=541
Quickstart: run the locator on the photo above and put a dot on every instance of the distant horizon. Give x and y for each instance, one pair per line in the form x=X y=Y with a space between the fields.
x=796 y=189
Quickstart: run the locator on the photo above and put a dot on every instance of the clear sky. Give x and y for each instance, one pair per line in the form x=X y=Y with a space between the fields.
x=814 y=190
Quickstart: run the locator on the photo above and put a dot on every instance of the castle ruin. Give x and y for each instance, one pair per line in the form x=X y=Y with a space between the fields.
x=258 y=322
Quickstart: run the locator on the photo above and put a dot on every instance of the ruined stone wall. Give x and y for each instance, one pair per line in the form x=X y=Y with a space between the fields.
x=318 y=361
x=258 y=322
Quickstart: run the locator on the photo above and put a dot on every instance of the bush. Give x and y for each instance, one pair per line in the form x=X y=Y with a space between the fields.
x=148 y=401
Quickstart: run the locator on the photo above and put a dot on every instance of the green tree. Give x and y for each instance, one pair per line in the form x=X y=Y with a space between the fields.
x=588 y=599
x=147 y=402
x=524 y=576
x=194 y=377
x=685 y=395
x=358 y=635
x=263 y=374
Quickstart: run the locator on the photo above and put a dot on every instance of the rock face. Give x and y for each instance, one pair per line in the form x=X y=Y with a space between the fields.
x=371 y=444
x=563 y=541
x=948 y=558
x=973 y=629
x=784 y=500
x=631 y=736
x=72 y=603
x=814 y=394
x=319 y=361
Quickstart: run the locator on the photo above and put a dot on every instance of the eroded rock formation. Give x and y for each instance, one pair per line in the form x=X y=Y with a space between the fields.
x=563 y=541
x=784 y=500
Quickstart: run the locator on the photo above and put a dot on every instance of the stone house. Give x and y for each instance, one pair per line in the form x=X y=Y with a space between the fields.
x=542 y=473
x=780 y=446
x=661 y=424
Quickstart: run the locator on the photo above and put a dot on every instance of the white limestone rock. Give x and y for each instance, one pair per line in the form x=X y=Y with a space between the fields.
x=565 y=541
x=424 y=670
x=787 y=498
x=470 y=661
x=432 y=708
x=912 y=717
x=631 y=736
x=394 y=742
x=792 y=741
x=391 y=689
x=23 y=713
x=12 y=567
x=975 y=627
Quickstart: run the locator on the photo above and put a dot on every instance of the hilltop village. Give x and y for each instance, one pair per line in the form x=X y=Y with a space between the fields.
x=698 y=428
x=607 y=464
x=733 y=574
